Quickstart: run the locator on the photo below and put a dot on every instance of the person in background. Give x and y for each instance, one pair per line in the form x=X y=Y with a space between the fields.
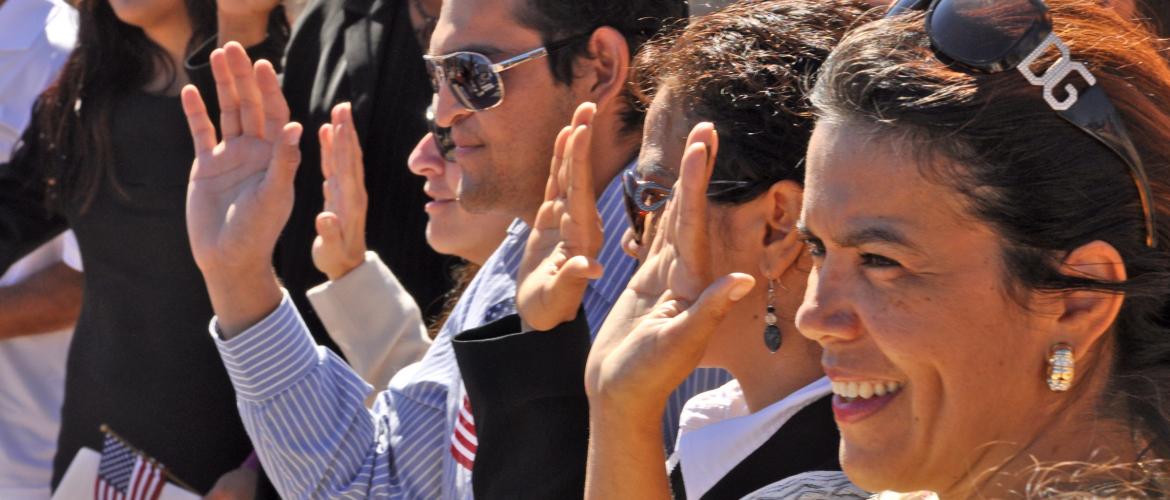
x=113 y=166
x=40 y=295
x=367 y=53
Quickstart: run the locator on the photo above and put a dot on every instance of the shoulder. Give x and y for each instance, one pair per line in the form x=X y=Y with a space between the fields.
x=811 y=486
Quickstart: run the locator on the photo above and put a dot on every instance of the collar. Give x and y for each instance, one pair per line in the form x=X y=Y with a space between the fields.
x=716 y=432
x=24 y=21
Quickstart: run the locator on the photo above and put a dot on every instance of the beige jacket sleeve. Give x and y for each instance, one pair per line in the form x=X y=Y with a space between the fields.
x=373 y=319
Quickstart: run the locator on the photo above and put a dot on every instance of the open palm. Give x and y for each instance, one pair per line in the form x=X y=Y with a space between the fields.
x=240 y=193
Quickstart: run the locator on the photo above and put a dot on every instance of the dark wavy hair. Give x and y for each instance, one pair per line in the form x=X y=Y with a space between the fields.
x=112 y=58
x=1044 y=185
x=747 y=69
x=637 y=20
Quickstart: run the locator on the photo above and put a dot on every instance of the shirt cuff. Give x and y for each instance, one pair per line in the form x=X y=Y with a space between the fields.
x=270 y=356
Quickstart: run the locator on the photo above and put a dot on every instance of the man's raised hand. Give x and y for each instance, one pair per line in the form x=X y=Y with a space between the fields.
x=240 y=193
x=561 y=255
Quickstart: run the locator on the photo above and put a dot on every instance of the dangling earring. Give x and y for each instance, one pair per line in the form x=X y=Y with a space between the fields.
x=771 y=331
x=1060 y=367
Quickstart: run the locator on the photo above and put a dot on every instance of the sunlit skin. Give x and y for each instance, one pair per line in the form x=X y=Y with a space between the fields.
x=503 y=169
x=757 y=238
x=907 y=287
x=451 y=229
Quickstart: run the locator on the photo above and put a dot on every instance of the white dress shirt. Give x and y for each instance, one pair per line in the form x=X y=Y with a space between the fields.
x=36 y=37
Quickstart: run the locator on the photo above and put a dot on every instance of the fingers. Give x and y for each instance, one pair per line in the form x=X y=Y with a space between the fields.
x=689 y=222
x=276 y=112
x=325 y=137
x=582 y=201
x=202 y=131
x=348 y=161
x=552 y=189
x=582 y=268
x=225 y=89
x=247 y=89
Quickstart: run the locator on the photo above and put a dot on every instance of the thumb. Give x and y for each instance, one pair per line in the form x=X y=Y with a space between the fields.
x=328 y=228
x=286 y=155
x=716 y=300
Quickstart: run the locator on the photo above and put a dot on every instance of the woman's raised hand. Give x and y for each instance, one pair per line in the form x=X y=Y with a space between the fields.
x=340 y=245
x=657 y=332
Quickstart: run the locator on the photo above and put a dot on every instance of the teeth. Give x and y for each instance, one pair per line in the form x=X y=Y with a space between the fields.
x=865 y=389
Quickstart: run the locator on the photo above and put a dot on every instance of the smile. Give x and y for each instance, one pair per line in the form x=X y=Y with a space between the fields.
x=855 y=400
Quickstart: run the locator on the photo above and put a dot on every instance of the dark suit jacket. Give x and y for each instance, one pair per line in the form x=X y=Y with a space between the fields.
x=365 y=52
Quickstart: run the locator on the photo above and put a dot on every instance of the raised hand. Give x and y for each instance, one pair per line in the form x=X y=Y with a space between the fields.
x=240 y=193
x=659 y=328
x=561 y=255
x=341 y=226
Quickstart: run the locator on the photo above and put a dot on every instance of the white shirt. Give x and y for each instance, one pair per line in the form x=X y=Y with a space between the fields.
x=36 y=37
x=717 y=431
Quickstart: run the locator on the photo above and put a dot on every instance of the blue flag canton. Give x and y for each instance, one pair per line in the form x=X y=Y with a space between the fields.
x=117 y=464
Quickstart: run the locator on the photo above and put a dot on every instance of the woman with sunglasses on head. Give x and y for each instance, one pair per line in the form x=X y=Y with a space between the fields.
x=364 y=307
x=107 y=155
x=1011 y=282
x=742 y=69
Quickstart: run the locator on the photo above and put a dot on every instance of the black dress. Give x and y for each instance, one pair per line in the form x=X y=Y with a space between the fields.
x=141 y=359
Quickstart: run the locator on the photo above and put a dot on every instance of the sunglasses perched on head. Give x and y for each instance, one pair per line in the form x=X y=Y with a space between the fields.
x=993 y=36
x=475 y=80
x=643 y=197
x=442 y=136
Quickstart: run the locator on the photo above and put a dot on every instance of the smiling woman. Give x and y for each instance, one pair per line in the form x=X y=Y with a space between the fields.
x=1009 y=251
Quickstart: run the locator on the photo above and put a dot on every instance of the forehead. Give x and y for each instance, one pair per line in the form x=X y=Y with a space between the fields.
x=664 y=136
x=854 y=175
x=486 y=26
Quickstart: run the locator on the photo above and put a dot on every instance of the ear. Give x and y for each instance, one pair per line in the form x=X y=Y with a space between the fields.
x=782 y=245
x=606 y=69
x=1084 y=316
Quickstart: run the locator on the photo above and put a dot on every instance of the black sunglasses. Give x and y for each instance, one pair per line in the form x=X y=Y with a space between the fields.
x=475 y=80
x=643 y=197
x=993 y=36
x=442 y=136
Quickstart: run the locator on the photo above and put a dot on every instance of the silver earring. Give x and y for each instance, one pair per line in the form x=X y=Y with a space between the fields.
x=1061 y=367
x=771 y=331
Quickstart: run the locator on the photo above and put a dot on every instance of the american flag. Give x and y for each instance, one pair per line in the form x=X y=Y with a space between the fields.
x=125 y=474
x=463 y=440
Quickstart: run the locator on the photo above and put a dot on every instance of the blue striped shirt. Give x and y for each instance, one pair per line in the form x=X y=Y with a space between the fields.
x=304 y=407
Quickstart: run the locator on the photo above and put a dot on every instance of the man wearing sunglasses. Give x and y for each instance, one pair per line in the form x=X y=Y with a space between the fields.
x=509 y=74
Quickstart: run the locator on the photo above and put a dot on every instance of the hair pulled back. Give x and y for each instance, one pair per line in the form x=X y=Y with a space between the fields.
x=747 y=68
x=1046 y=186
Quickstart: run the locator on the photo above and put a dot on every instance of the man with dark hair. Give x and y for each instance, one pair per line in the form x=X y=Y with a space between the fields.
x=303 y=406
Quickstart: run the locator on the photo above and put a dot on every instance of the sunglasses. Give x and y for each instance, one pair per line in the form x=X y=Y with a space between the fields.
x=475 y=80
x=442 y=136
x=643 y=197
x=993 y=36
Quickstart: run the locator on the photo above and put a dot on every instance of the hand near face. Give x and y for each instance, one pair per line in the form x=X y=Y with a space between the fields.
x=659 y=329
x=240 y=193
x=561 y=255
x=341 y=226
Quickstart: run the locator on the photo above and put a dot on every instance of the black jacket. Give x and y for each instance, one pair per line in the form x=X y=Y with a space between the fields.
x=527 y=394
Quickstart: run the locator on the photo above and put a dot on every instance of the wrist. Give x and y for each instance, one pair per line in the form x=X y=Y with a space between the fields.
x=241 y=298
x=342 y=269
x=247 y=28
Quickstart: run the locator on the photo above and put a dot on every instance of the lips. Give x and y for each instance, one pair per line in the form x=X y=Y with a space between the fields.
x=856 y=400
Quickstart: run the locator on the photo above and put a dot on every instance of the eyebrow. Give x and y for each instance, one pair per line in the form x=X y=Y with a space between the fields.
x=870 y=233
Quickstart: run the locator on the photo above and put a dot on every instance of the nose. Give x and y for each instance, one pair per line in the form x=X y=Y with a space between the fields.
x=425 y=160
x=448 y=110
x=827 y=314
